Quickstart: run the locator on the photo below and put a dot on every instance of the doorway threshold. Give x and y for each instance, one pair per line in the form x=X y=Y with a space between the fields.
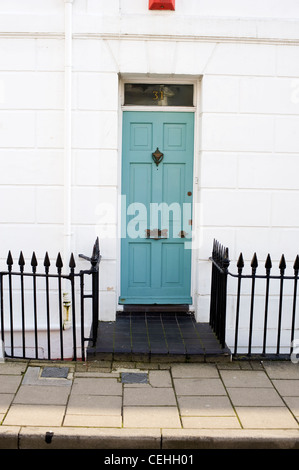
x=152 y=308
x=157 y=337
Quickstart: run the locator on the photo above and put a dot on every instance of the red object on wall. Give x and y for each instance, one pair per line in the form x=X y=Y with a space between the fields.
x=162 y=4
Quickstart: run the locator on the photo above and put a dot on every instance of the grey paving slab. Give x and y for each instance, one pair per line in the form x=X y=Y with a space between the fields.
x=33 y=377
x=151 y=417
x=293 y=404
x=287 y=388
x=205 y=406
x=35 y=415
x=97 y=386
x=93 y=421
x=242 y=378
x=160 y=378
x=211 y=422
x=254 y=397
x=266 y=418
x=46 y=395
x=5 y=401
x=95 y=374
x=94 y=405
x=194 y=371
x=9 y=383
x=149 y=397
x=281 y=370
x=199 y=387
x=13 y=368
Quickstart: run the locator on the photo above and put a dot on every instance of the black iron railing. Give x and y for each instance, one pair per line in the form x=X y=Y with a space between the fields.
x=33 y=314
x=245 y=309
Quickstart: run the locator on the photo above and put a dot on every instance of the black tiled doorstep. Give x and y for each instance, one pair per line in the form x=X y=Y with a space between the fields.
x=156 y=333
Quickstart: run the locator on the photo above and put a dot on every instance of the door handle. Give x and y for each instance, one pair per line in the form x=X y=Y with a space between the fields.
x=156 y=234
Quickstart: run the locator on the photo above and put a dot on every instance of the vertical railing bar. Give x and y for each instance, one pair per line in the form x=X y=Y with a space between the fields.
x=95 y=304
x=218 y=298
x=226 y=263
x=282 y=267
x=34 y=264
x=240 y=265
x=72 y=280
x=1 y=308
x=296 y=270
x=213 y=288
x=59 y=265
x=279 y=317
x=218 y=291
x=95 y=260
x=48 y=317
x=251 y=315
x=9 y=264
x=82 y=315
x=294 y=311
x=21 y=264
x=268 y=266
x=237 y=315
x=47 y=266
x=254 y=265
x=266 y=314
x=217 y=301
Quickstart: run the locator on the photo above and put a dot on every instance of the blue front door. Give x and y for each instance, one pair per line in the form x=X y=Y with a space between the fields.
x=157 y=185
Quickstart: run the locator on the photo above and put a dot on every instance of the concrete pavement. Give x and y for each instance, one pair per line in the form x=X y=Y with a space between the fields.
x=119 y=405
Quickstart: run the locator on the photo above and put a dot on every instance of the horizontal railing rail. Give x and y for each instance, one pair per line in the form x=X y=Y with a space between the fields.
x=218 y=302
x=33 y=308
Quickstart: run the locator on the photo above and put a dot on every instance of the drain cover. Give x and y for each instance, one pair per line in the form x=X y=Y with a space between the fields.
x=133 y=378
x=55 y=372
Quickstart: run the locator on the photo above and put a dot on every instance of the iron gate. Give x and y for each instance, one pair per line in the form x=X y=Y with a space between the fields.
x=35 y=317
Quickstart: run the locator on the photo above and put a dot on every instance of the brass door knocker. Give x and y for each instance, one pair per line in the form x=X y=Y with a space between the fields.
x=157 y=156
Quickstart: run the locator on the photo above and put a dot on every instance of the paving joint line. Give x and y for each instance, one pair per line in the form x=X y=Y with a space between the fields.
x=229 y=398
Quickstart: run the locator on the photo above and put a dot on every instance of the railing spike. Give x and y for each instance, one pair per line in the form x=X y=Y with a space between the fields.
x=72 y=263
x=9 y=260
x=59 y=262
x=21 y=260
x=96 y=249
x=33 y=260
x=47 y=261
x=254 y=262
x=282 y=264
x=296 y=264
x=240 y=263
x=268 y=263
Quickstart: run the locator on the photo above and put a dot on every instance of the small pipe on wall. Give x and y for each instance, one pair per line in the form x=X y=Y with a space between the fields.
x=67 y=232
x=68 y=131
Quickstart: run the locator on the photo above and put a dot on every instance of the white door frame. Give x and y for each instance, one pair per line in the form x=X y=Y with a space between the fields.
x=190 y=80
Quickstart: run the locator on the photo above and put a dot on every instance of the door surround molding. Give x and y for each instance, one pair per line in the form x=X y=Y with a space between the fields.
x=195 y=80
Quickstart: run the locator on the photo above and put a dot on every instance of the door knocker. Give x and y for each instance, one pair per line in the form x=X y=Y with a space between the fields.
x=157 y=156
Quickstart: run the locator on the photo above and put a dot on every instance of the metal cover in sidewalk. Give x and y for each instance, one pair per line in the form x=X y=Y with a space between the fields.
x=55 y=372
x=134 y=378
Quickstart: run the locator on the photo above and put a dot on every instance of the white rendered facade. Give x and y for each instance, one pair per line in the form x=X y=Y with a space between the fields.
x=61 y=126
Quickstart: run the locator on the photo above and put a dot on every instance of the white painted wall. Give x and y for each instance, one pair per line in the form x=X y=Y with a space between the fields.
x=246 y=54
